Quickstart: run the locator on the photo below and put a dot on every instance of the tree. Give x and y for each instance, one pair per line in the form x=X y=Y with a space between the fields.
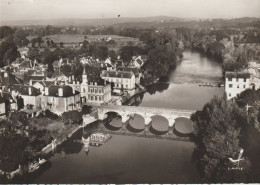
x=61 y=44
x=19 y=38
x=6 y=31
x=34 y=54
x=66 y=70
x=216 y=129
x=8 y=52
x=71 y=117
x=12 y=147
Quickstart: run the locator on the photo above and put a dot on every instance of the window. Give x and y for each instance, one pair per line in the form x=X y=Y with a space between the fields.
x=92 y=98
x=244 y=79
x=237 y=79
x=100 y=90
x=96 y=98
x=230 y=85
x=230 y=79
x=237 y=86
x=244 y=86
x=84 y=90
x=229 y=94
x=91 y=90
x=95 y=90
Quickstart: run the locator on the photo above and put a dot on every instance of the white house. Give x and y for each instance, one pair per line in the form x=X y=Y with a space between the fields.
x=123 y=80
x=235 y=83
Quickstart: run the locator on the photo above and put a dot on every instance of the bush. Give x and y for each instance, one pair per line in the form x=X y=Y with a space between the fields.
x=49 y=114
x=71 y=117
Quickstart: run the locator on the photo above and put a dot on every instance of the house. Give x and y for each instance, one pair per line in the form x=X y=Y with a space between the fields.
x=136 y=62
x=95 y=90
x=30 y=95
x=235 y=83
x=137 y=72
x=7 y=79
x=2 y=106
x=254 y=70
x=41 y=84
x=123 y=80
x=60 y=98
x=23 y=52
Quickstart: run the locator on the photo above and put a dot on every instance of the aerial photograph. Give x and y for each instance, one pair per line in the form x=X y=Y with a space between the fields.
x=129 y=91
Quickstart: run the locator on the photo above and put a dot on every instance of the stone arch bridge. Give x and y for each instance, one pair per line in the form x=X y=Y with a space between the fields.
x=146 y=112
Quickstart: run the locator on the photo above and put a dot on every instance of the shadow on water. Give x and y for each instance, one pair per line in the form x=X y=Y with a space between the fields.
x=28 y=177
x=160 y=86
x=110 y=127
x=179 y=134
x=157 y=132
x=130 y=128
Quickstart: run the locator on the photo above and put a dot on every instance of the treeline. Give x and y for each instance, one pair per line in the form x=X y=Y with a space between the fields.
x=234 y=48
x=221 y=130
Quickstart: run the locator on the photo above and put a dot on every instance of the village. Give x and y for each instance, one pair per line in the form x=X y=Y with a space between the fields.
x=26 y=87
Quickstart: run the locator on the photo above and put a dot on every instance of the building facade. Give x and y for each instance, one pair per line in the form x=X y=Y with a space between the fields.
x=123 y=80
x=60 y=98
x=235 y=83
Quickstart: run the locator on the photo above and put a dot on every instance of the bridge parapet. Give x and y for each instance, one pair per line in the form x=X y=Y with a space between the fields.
x=146 y=112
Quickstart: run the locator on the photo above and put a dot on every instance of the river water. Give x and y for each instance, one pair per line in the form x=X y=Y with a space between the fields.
x=130 y=159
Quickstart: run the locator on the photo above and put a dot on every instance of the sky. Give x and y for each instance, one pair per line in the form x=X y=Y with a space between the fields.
x=52 y=9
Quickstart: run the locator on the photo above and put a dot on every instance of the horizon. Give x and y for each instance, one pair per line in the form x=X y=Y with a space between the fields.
x=32 y=10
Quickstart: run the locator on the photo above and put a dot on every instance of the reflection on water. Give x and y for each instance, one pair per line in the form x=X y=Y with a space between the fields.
x=182 y=96
x=128 y=159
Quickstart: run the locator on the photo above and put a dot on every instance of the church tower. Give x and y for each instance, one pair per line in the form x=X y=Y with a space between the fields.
x=84 y=86
x=84 y=77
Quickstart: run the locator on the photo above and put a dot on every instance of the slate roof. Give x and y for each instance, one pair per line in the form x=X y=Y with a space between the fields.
x=67 y=91
x=34 y=78
x=230 y=74
x=95 y=79
x=136 y=71
x=117 y=74
x=24 y=90
x=26 y=64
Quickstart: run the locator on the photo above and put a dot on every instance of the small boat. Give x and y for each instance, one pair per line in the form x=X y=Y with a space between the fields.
x=42 y=161
x=33 y=167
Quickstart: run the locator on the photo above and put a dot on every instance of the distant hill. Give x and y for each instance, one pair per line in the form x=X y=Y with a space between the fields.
x=89 y=22
x=142 y=22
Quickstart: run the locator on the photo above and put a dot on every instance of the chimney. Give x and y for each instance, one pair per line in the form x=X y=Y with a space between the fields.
x=60 y=91
x=73 y=90
x=72 y=77
x=46 y=91
x=5 y=74
x=96 y=83
x=30 y=91
x=31 y=82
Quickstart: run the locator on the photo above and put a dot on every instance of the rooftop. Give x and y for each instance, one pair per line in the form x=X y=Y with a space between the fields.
x=117 y=74
x=231 y=74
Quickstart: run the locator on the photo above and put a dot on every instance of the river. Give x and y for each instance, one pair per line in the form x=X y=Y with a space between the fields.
x=129 y=159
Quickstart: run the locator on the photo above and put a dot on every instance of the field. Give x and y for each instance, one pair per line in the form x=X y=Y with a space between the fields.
x=73 y=41
x=67 y=38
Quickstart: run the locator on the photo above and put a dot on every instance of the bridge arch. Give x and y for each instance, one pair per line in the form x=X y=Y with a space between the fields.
x=159 y=123
x=137 y=121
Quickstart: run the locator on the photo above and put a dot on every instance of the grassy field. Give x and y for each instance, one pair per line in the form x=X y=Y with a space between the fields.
x=67 y=38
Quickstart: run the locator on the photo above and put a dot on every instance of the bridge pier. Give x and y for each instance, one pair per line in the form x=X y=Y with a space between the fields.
x=147 y=122
x=125 y=118
x=171 y=125
x=102 y=116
